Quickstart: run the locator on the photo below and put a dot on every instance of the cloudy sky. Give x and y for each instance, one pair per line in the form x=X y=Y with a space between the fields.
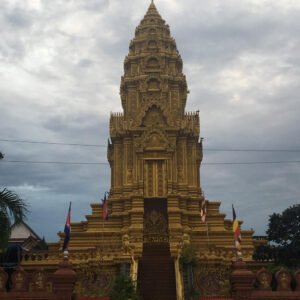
x=60 y=68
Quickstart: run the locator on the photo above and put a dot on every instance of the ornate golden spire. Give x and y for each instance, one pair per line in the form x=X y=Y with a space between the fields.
x=152 y=10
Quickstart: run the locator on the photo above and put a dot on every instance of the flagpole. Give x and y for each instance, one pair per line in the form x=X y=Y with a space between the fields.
x=67 y=232
x=103 y=221
x=207 y=234
x=102 y=246
x=237 y=235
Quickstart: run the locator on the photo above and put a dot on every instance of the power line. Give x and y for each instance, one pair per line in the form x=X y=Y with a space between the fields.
x=54 y=162
x=254 y=163
x=51 y=143
x=104 y=163
x=101 y=145
x=251 y=150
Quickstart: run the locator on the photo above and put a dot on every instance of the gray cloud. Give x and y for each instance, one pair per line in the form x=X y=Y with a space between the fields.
x=60 y=69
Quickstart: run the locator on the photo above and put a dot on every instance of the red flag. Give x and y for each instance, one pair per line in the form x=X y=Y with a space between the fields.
x=67 y=230
x=104 y=209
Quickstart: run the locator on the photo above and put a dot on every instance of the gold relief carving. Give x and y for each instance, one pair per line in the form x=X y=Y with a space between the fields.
x=143 y=86
x=93 y=281
x=152 y=44
x=3 y=280
x=132 y=103
x=133 y=69
x=154 y=117
x=155 y=228
x=19 y=281
x=39 y=280
x=283 y=280
x=153 y=84
x=172 y=117
x=126 y=243
x=129 y=175
x=150 y=140
x=129 y=170
x=180 y=172
x=152 y=62
x=264 y=279
x=212 y=279
x=165 y=86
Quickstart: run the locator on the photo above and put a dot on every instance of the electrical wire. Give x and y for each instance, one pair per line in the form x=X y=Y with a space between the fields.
x=104 y=163
x=51 y=143
x=104 y=146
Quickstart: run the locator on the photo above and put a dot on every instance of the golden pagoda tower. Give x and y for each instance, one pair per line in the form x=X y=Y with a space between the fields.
x=154 y=203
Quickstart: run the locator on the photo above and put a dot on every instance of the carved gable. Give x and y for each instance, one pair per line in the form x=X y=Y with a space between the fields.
x=154 y=117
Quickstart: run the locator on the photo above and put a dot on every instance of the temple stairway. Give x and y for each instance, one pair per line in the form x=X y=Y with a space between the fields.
x=156 y=273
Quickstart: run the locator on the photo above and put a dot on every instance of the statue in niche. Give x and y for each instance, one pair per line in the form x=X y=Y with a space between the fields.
x=39 y=281
x=19 y=281
x=283 y=279
x=264 y=279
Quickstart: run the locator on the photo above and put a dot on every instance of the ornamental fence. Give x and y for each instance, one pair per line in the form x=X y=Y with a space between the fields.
x=39 y=285
x=59 y=285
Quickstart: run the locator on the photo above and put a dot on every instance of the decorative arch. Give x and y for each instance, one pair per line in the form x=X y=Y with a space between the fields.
x=154 y=117
x=152 y=44
x=155 y=139
x=153 y=84
x=152 y=62
x=152 y=31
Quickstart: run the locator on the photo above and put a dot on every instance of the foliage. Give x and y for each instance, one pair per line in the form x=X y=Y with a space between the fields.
x=193 y=294
x=284 y=232
x=188 y=256
x=189 y=261
x=123 y=289
x=264 y=253
x=12 y=209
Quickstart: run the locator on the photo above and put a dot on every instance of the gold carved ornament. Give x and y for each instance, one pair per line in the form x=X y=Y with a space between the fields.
x=155 y=228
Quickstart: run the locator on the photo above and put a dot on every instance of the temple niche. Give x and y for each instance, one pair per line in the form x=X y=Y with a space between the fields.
x=155 y=154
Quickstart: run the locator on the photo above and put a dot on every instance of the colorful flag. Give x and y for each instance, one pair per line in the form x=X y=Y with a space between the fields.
x=67 y=230
x=104 y=208
x=203 y=210
x=236 y=230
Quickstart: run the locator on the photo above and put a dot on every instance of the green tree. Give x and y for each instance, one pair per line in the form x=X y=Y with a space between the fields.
x=13 y=209
x=284 y=233
x=123 y=289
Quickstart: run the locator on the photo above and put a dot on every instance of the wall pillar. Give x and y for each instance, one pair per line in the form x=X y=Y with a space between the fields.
x=64 y=280
x=241 y=281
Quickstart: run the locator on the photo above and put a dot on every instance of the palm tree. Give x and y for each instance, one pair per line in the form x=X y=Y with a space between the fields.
x=13 y=209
